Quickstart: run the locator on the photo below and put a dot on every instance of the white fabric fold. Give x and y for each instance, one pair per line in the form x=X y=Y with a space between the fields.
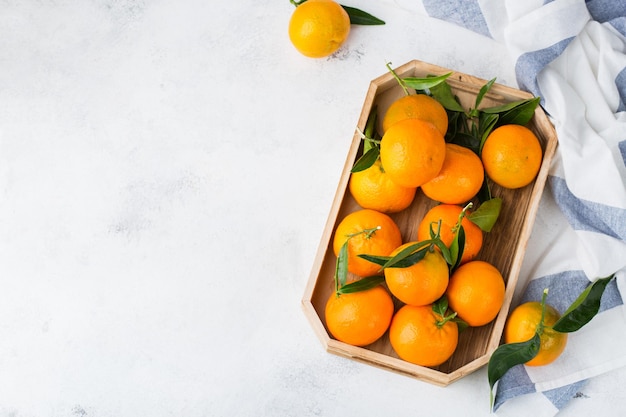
x=572 y=54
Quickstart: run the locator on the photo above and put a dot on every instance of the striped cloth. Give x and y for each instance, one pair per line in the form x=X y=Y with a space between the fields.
x=572 y=54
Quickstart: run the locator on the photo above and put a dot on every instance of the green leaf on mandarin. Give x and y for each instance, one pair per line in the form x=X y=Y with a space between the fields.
x=359 y=17
x=361 y=285
x=483 y=90
x=341 y=267
x=486 y=215
x=443 y=94
x=584 y=308
x=366 y=160
x=425 y=83
x=509 y=355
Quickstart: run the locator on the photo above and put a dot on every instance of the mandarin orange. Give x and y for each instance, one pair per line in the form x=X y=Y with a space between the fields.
x=373 y=189
x=476 y=292
x=459 y=179
x=359 y=318
x=512 y=156
x=412 y=152
x=367 y=232
x=421 y=283
x=522 y=324
x=448 y=215
x=421 y=336
x=318 y=28
x=416 y=106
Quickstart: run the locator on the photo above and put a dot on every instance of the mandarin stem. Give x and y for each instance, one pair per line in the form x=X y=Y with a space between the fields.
x=445 y=319
x=461 y=215
x=541 y=324
x=437 y=237
x=365 y=137
x=406 y=91
x=368 y=232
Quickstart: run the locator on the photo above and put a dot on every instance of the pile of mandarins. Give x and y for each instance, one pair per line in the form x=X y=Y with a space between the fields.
x=423 y=298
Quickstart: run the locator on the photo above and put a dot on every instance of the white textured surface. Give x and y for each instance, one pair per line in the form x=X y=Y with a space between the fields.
x=166 y=169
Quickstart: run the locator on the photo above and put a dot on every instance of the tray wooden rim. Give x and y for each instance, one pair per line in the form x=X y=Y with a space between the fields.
x=459 y=82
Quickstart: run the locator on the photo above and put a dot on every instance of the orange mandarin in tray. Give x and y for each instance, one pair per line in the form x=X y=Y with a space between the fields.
x=359 y=318
x=367 y=232
x=373 y=188
x=476 y=292
x=512 y=156
x=459 y=179
x=421 y=283
x=416 y=106
x=448 y=215
x=421 y=336
x=412 y=152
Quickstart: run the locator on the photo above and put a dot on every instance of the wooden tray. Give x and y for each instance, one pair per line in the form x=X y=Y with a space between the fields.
x=504 y=246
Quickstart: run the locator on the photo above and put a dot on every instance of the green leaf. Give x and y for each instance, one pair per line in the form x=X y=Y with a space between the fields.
x=457 y=122
x=431 y=230
x=485 y=192
x=483 y=90
x=425 y=83
x=461 y=324
x=359 y=17
x=441 y=306
x=411 y=259
x=443 y=93
x=456 y=247
x=362 y=284
x=521 y=114
x=509 y=355
x=486 y=123
x=366 y=160
x=370 y=128
x=408 y=256
x=466 y=140
x=474 y=129
x=445 y=251
x=371 y=151
x=406 y=252
x=341 y=266
x=398 y=260
x=486 y=214
x=584 y=308
x=504 y=108
x=379 y=260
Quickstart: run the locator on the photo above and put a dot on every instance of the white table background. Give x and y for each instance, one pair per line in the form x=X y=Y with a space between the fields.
x=166 y=170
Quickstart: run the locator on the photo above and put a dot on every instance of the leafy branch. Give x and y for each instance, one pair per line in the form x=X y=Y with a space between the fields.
x=471 y=127
x=371 y=145
x=579 y=313
x=412 y=253
x=359 y=17
x=486 y=214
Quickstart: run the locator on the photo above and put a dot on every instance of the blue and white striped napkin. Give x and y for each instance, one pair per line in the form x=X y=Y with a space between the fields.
x=571 y=53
